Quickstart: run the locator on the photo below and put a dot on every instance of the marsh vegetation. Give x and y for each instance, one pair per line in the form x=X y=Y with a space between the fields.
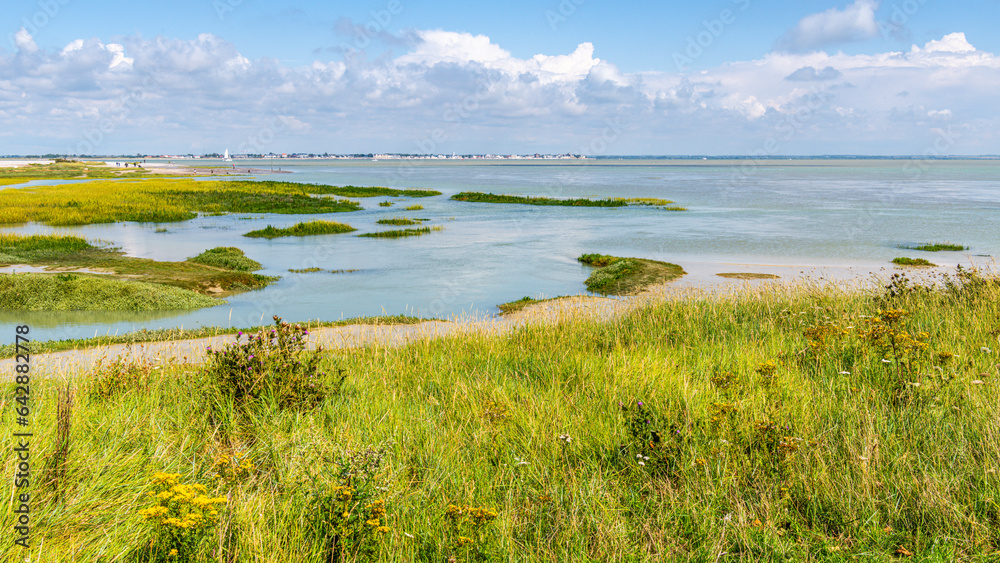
x=399 y=221
x=73 y=292
x=936 y=247
x=216 y=272
x=305 y=229
x=399 y=233
x=772 y=425
x=904 y=261
x=158 y=200
x=480 y=197
x=359 y=192
x=626 y=276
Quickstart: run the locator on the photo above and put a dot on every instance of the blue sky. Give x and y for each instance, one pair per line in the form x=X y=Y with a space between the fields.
x=722 y=77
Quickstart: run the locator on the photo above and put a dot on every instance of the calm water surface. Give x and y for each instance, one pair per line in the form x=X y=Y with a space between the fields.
x=795 y=213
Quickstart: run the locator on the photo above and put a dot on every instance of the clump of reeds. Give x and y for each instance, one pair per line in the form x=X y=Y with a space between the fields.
x=305 y=229
x=398 y=233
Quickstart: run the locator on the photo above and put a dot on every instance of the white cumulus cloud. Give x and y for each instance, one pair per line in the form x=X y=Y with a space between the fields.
x=24 y=41
x=854 y=23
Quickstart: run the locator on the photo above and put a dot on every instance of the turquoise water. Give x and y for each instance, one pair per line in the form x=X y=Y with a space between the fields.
x=782 y=214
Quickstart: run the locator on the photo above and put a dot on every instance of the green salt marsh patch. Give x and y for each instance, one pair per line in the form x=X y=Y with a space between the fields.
x=72 y=292
x=310 y=228
x=159 y=200
x=904 y=261
x=936 y=247
x=399 y=233
x=216 y=272
x=399 y=221
x=626 y=276
x=356 y=191
x=227 y=258
x=480 y=197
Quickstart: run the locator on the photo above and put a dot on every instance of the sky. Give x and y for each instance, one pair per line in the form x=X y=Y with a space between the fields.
x=722 y=77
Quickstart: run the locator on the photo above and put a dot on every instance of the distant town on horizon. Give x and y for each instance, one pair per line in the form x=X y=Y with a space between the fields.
x=491 y=156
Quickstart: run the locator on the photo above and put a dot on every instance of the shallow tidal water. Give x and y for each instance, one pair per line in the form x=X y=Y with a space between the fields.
x=776 y=217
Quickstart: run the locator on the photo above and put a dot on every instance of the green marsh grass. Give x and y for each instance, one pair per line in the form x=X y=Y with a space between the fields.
x=776 y=432
x=385 y=204
x=399 y=221
x=158 y=200
x=227 y=258
x=71 y=292
x=208 y=273
x=310 y=228
x=480 y=197
x=626 y=276
x=904 y=261
x=398 y=233
x=414 y=207
x=15 y=248
x=936 y=247
x=355 y=191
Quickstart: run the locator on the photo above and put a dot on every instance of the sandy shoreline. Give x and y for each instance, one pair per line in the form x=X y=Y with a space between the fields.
x=19 y=163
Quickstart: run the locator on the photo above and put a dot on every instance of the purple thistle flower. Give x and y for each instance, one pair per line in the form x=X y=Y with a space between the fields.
x=640 y=403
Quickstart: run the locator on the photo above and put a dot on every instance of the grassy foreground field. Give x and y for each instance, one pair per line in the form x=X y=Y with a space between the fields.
x=807 y=425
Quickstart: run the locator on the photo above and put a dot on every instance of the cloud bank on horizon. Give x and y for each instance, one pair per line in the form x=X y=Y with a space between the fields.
x=455 y=91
